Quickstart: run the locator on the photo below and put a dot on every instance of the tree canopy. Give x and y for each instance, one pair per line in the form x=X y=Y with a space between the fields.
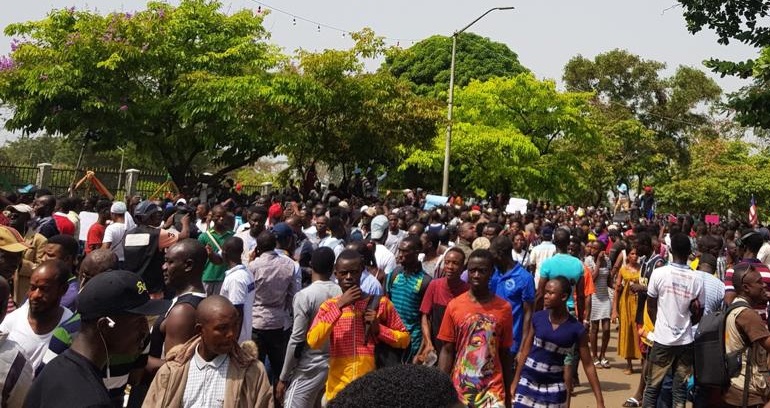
x=426 y=64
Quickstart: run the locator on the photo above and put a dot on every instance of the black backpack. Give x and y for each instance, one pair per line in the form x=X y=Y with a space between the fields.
x=713 y=366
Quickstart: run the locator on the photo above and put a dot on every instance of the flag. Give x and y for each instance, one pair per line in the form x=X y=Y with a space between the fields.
x=753 y=219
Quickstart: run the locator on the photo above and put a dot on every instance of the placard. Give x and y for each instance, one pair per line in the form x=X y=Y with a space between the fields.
x=516 y=205
x=87 y=219
x=712 y=219
x=433 y=201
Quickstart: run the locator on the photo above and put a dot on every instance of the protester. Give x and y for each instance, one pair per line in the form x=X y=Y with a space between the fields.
x=213 y=239
x=395 y=234
x=12 y=247
x=145 y=245
x=31 y=325
x=65 y=248
x=95 y=234
x=344 y=321
x=477 y=331
x=466 y=234
x=406 y=287
x=15 y=370
x=747 y=333
x=601 y=306
x=304 y=372
x=255 y=225
x=515 y=284
x=211 y=369
x=541 y=252
x=115 y=233
x=238 y=286
x=437 y=297
x=624 y=310
x=539 y=378
x=182 y=271
x=678 y=291
x=112 y=307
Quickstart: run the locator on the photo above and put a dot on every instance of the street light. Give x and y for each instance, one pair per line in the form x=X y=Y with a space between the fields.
x=445 y=185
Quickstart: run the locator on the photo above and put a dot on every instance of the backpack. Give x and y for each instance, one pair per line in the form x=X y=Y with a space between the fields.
x=712 y=365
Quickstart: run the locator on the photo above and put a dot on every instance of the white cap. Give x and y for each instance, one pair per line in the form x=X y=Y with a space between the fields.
x=118 y=207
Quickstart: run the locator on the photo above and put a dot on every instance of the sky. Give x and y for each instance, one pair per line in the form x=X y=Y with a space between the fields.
x=544 y=33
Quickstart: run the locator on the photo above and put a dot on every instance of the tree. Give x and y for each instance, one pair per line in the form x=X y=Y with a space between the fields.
x=627 y=87
x=723 y=176
x=427 y=63
x=349 y=117
x=507 y=135
x=180 y=83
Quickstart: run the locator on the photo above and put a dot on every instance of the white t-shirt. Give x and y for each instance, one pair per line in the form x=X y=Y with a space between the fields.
x=115 y=234
x=394 y=240
x=249 y=244
x=32 y=345
x=384 y=258
x=675 y=286
x=238 y=287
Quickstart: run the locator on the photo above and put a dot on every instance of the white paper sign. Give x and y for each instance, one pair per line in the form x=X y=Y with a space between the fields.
x=87 y=219
x=516 y=205
x=432 y=201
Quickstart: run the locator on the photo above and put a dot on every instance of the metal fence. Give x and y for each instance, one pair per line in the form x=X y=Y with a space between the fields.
x=60 y=179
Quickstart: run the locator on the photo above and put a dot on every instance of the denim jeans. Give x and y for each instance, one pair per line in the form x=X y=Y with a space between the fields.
x=663 y=358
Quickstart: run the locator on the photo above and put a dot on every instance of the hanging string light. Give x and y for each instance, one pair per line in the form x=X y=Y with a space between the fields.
x=295 y=17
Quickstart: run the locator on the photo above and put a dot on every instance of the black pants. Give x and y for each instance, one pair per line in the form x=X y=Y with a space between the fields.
x=272 y=345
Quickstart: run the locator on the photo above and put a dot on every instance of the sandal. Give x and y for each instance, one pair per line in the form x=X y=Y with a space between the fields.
x=632 y=402
x=597 y=363
x=605 y=363
x=628 y=371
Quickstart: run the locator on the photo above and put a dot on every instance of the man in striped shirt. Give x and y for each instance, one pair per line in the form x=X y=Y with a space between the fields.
x=351 y=328
x=748 y=246
x=405 y=287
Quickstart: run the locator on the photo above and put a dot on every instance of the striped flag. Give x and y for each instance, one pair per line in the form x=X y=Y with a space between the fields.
x=753 y=219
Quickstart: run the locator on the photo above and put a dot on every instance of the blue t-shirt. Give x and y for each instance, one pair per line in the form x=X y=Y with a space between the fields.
x=516 y=286
x=563 y=265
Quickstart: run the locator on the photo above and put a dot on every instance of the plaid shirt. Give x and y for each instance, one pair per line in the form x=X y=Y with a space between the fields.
x=349 y=357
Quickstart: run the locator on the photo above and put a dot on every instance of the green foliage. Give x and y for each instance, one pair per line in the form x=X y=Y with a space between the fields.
x=345 y=116
x=651 y=116
x=426 y=64
x=722 y=176
x=177 y=82
x=505 y=137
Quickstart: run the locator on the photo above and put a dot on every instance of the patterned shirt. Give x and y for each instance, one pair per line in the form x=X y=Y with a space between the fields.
x=350 y=356
x=206 y=382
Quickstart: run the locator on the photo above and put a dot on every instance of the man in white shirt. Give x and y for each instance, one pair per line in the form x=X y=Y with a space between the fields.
x=678 y=291
x=395 y=234
x=31 y=326
x=385 y=259
x=115 y=233
x=541 y=252
x=238 y=286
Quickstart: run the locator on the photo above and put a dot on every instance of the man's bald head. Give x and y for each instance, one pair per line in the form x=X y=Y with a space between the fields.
x=96 y=262
x=213 y=308
x=191 y=249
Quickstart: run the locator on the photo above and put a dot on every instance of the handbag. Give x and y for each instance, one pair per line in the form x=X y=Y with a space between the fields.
x=385 y=355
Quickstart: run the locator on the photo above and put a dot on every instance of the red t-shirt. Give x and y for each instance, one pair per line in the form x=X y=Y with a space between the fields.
x=65 y=226
x=439 y=293
x=479 y=332
x=95 y=237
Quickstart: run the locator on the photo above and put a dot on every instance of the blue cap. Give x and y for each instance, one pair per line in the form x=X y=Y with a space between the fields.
x=282 y=230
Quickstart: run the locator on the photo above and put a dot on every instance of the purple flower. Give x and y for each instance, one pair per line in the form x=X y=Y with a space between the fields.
x=128 y=15
x=15 y=43
x=123 y=108
x=6 y=63
x=161 y=13
x=71 y=9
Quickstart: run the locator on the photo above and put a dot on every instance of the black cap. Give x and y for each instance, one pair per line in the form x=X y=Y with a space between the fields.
x=117 y=292
x=146 y=207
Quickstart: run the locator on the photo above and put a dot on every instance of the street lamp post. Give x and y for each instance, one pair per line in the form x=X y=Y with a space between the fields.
x=445 y=184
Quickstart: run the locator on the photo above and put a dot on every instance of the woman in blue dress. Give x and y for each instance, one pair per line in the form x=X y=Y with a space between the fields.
x=554 y=333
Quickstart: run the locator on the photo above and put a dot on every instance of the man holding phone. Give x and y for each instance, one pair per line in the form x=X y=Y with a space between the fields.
x=352 y=329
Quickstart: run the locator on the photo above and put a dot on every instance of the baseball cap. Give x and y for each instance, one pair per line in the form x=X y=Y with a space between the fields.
x=22 y=208
x=282 y=230
x=118 y=207
x=181 y=201
x=379 y=226
x=146 y=207
x=117 y=292
x=11 y=240
x=547 y=232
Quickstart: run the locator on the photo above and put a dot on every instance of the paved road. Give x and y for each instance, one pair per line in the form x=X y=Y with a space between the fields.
x=616 y=386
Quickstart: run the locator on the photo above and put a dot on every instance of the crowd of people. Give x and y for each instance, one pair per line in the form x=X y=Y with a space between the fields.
x=282 y=301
